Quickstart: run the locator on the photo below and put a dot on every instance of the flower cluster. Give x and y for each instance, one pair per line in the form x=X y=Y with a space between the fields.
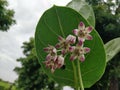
x=74 y=45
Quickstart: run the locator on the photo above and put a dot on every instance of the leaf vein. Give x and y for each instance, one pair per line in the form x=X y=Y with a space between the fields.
x=92 y=69
x=50 y=28
x=63 y=78
x=42 y=42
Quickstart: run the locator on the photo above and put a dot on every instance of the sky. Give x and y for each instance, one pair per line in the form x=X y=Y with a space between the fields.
x=27 y=14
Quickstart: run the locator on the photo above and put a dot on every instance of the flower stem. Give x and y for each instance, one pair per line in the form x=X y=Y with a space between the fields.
x=75 y=76
x=79 y=75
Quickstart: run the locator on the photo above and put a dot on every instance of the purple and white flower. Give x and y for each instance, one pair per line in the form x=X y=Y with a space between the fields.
x=64 y=44
x=54 y=64
x=83 y=32
x=78 y=52
x=52 y=52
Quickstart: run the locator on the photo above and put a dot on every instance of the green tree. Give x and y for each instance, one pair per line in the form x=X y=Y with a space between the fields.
x=6 y=16
x=31 y=75
x=108 y=26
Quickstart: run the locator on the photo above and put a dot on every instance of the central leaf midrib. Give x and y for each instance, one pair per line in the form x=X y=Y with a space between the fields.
x=59 y=22
x=61 y=29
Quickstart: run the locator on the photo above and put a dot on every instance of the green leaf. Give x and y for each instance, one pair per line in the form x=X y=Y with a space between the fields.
x=84 y=9
x=61 y=21
x=112 y=48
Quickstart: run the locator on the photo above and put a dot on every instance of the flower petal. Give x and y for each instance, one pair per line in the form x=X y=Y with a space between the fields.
x=60 y=38
x=54 y=50
x=88 y=29
x=60 y=61
x=86 y=49
x=57 y=45
x=80 y=42
x=75 y=31
x=52 y=70
x=89 y=37
x=71 y=39
x=46 y=49
x=47 y=63
x=81 y=58
x=73 y=57
x=48 y=57
x=63 y=51
x=81 y=26
x=71 y=48
x=54 y=58
x=81 y=39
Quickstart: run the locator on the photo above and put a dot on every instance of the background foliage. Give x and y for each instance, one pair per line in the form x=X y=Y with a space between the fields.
x=6 y=16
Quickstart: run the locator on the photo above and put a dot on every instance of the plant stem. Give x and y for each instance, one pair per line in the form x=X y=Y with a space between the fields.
x=79 y=75
x=75 y=76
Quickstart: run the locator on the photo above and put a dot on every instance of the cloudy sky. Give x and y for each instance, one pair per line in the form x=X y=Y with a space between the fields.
x=27 y=14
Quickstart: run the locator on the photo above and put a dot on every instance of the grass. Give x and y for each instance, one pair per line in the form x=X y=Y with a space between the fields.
x=6 y=85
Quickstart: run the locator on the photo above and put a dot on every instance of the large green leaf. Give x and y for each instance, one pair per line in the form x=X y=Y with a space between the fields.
x=84 y=9
x=112 y=48
x=61 y=21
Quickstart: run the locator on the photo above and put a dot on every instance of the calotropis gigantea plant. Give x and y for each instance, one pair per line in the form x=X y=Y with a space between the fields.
x=70 y=56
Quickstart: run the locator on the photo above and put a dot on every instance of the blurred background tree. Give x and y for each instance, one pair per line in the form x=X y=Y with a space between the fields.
x=6 y=16
x=31 y=75
x=107 y=14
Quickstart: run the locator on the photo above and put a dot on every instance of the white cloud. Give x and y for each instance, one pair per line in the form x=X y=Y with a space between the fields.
x=7 y=64
x=60 y=2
